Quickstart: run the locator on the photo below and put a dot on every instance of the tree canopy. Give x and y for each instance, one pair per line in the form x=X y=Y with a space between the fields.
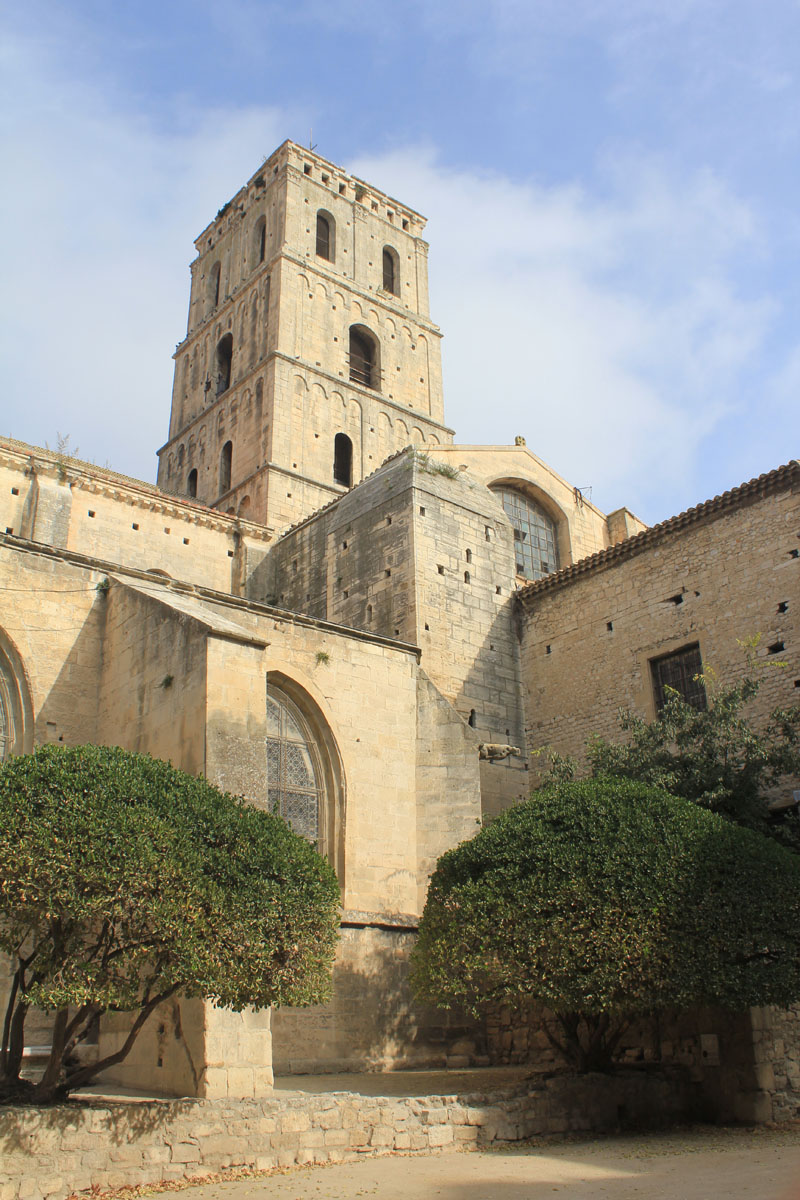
x=605 y=899
x=124 y=881
x=713 y=756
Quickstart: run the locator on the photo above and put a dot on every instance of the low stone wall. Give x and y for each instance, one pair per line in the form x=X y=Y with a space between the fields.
x=51 y=1153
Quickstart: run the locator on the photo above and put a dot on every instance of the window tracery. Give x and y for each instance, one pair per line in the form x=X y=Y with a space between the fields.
x=295 y=781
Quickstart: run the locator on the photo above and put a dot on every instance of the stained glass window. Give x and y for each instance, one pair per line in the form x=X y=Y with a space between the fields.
x=294 y=785
x=534 y=535
x=4 y=730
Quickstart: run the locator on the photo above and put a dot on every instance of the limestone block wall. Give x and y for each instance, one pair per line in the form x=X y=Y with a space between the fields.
x=75 y=506
x=418 y=555
x=373 y=1022
x=152 y=696
x=725 y=571
x=54 y=618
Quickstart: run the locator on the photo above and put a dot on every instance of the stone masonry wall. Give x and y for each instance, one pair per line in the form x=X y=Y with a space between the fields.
x=51 y=1153
x=588 y=640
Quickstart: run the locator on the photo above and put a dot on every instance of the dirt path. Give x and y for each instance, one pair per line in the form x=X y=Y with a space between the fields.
x=726 y=1164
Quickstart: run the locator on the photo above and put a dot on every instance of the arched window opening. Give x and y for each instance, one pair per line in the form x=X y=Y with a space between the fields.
x=191 y=484
x=326 y=236
x=363 y=357
x=535 y=539
x=224 y=363
x=343 y=460
x=391 y=282
x=296 y=776
x=260 y=240
x=225 y=460
x=16 y=711
x=213 y=285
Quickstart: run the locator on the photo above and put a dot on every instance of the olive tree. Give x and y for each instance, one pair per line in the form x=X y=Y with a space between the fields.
x=124 y=881
x=605 y=900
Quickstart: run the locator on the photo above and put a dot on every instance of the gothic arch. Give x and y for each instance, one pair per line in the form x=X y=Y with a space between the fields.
x=540 y=500
x=326 y=778
x=16 y=706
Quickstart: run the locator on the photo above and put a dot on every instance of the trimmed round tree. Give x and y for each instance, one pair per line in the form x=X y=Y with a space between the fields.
x=124 y=881
x=604 y=900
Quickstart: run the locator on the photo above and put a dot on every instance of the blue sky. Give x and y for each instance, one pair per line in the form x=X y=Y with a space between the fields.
x=611 y=188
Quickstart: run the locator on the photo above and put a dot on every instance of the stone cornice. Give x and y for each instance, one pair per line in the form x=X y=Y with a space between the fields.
x=32 y=460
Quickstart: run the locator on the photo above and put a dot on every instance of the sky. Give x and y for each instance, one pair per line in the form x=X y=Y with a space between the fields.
x=611 y=189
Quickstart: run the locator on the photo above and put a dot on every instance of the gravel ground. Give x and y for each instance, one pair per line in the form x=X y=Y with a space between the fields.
x=698 y=1164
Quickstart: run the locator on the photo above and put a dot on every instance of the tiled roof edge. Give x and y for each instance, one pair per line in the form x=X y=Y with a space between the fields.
x=746 y=493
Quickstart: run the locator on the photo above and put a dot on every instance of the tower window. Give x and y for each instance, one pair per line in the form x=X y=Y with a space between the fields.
x=343 y=460
x=326 y=236
x=224 y=361
x=535 y=547
x=260 y=240
x=363 y=357
x=191 y=484
x=225 y=460
x=213 y=285
x=390 y=271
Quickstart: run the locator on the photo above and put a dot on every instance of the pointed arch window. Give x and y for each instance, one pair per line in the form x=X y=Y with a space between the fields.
x=535 y=537
x=16 y=711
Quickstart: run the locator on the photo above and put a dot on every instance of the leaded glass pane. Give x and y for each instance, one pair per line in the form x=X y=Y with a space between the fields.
x=293 y=779
x=300 y=810
x=534 y=536
x=273 y=717
x=291 y=729
x=299 y=771
x=273 y=761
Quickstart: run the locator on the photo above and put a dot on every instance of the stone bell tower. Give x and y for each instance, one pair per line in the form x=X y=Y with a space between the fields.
x=310 y=355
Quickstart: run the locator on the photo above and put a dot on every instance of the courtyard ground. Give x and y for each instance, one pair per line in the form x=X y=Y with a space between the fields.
x=699 y=1164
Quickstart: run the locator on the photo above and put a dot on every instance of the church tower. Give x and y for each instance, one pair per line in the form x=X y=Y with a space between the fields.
x=310 y=354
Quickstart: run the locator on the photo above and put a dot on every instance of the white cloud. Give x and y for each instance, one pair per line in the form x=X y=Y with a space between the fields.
x=606 y=327
x=609 y=333
x=103 y=211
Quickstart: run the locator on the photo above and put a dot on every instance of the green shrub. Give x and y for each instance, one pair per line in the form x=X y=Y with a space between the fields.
x=605 y=899
x=124 y=881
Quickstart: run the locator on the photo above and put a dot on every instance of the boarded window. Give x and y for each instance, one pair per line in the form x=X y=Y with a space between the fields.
x=679 y=672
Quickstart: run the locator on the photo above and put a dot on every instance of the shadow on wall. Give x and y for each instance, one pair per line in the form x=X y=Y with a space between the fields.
x=373 y=1023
